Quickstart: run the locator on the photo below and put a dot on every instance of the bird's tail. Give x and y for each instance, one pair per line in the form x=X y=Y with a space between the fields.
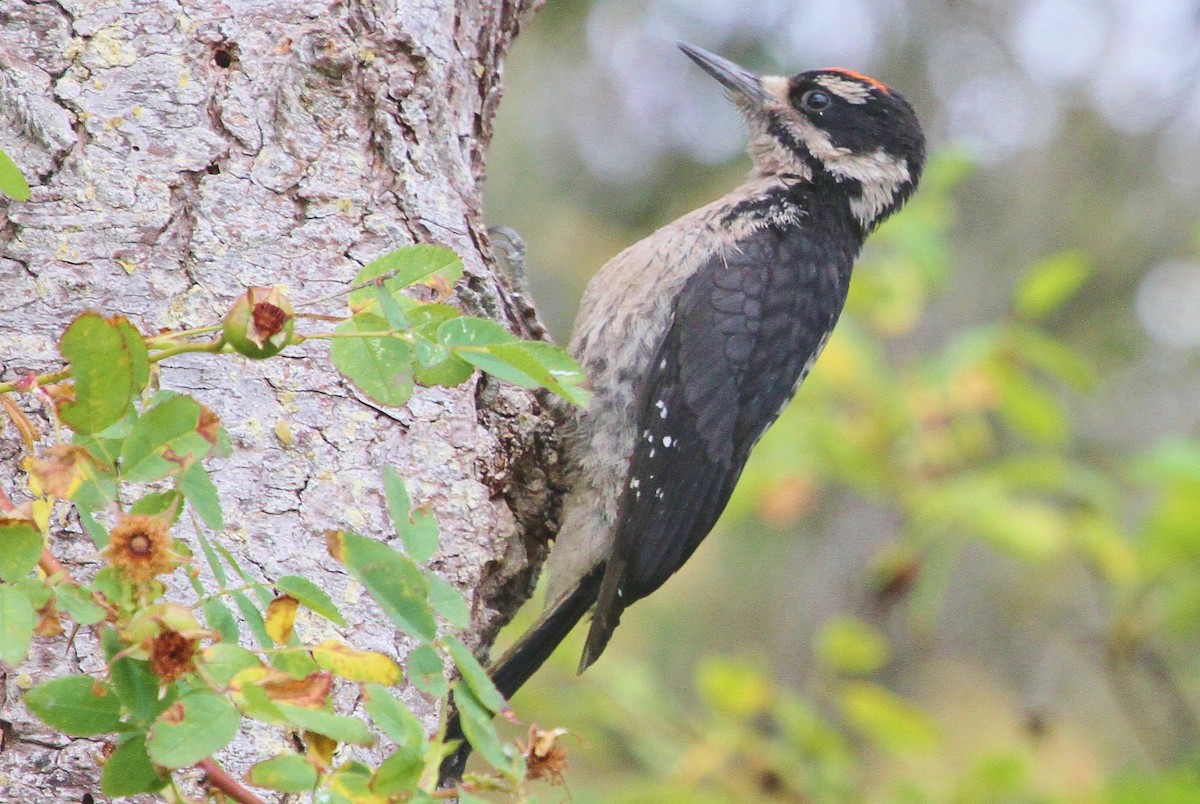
x=523 y=660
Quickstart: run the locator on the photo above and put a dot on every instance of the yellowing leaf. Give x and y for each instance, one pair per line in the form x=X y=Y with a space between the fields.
x=281 y=618
x=311 y=691
x=356 y=665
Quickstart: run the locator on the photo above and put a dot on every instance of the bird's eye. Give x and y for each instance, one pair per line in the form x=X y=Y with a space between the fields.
x=815 y=101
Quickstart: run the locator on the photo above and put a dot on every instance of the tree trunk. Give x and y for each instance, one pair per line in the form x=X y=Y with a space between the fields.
x=179 y=156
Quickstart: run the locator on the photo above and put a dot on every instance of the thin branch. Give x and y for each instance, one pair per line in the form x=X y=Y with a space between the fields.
x=219 y=779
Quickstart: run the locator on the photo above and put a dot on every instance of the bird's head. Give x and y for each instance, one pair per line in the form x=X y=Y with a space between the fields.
x=829 y=125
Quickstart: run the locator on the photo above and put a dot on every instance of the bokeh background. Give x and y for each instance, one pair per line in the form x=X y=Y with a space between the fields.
x=965 y=564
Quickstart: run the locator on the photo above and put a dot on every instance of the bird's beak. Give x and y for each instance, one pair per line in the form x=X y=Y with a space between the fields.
x=744 y=84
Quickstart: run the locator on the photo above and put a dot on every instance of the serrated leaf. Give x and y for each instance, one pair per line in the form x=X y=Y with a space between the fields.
x=198 y=487
x=80 y=706
x=17 y=621
x=281 y=618
x=426 y=671
x=103 y=370
x=336 y=727
x=12 y=180
x=381 y=367
x=289 y=773
x=447 y=601
x=128 y=771
x=77 y=602
x=395 y=719
x=311 y=596
x=139 y=355
x=411 y=264
x=20 y=548
x=417 y=531
x=163 y=441
x=1050 y=282
x=475 y=675
x=394 y=582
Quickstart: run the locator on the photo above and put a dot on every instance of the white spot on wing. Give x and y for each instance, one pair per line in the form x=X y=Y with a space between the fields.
x=668 y=441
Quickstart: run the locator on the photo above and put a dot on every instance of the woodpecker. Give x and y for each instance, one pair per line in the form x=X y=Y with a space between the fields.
x=696 y=337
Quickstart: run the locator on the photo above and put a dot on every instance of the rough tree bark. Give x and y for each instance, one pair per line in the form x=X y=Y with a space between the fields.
x=181 y=150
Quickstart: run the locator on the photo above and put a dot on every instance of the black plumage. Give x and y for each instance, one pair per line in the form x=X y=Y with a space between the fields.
x=747 y=326
x=697 y=336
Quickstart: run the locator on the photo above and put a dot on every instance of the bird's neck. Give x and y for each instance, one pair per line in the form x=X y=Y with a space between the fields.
x=784 y=200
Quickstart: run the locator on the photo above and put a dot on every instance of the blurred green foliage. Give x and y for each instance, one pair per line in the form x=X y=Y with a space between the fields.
x=968 y=446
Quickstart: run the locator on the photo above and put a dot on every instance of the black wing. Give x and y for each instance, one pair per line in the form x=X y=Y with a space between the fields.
x=745 y=329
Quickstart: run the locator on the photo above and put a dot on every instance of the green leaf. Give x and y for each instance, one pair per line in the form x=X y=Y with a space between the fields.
x=410 y=264
x=198 y=487
x=381 y=367
x=426 y=672
x=472 y=333
x=159 y=502
x=395 y=583
x=1029 y=410
x=336 y=727
x=733 y=686
x=849 y=645
x=139 y=355
x=394 y=718
x=289 y=773
x=890 y=721
x=480 y=731
x=419 y=538
x=103 y=369
x=129 y=771
x=163 y=440
x=80 y=706
x=310 y=596
x=77 y=602
x=475 y=676
x=254 y=620
x=20 y=548
x=221 y=619
x=135 y=683
x=399 y=773
x=223 y=661
x=194 y=727
x=95 y=530
x=12 y=181
x=447 y=601
x=17 y=621
x=214 y=563
x=548 y=365
x=393 y=313
x=1050 y=282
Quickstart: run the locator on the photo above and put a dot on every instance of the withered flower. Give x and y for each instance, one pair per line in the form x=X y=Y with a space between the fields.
x=172 y=655
x=139 y=548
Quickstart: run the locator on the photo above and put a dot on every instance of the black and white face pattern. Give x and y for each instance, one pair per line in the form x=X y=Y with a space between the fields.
x=846 y=126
